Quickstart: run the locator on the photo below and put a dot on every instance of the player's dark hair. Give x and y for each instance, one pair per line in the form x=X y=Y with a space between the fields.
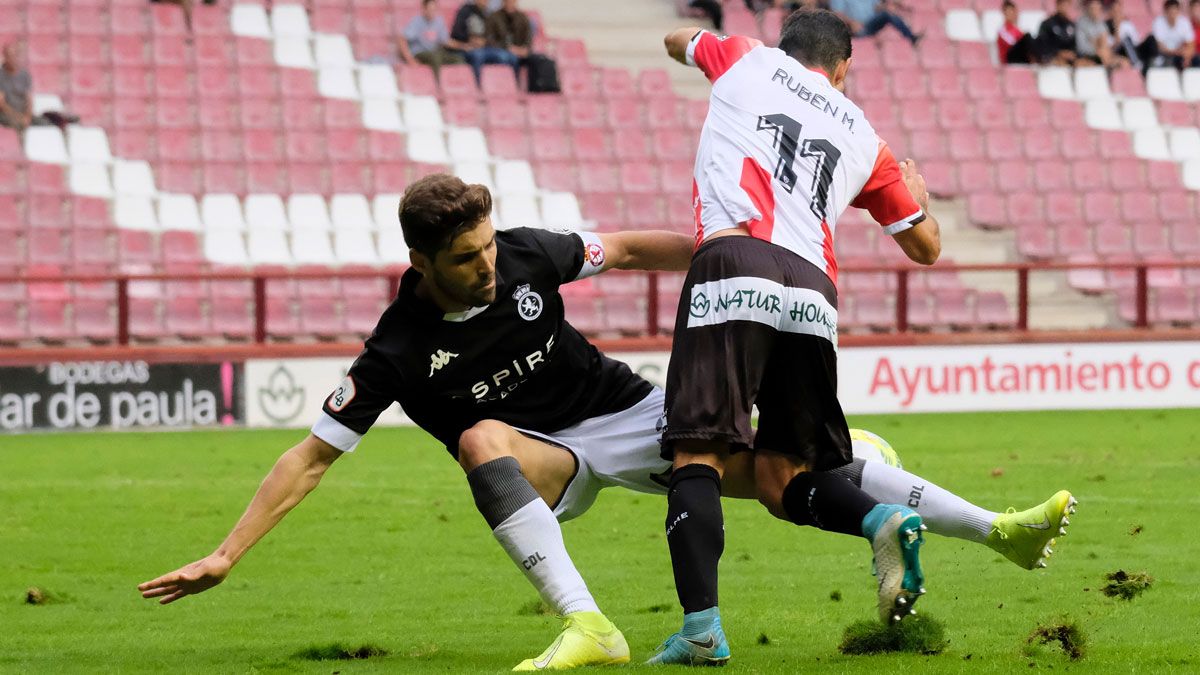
x=816 y=37
x=1006 y=4
x=439 y=207
x=1170 y=3
x=426 y=3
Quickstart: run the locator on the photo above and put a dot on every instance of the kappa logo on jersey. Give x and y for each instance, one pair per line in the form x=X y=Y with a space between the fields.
x=529 y=303
x=595 y=254
x=342 y=396
x=439 y=359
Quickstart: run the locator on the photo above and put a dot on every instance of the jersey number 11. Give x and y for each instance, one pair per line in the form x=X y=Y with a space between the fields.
x=786 y=139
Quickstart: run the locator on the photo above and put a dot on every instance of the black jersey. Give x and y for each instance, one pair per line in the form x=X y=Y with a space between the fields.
x=516 y=361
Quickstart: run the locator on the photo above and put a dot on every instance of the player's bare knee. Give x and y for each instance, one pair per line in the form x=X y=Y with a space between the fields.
x=483 y=442
x=772 y=473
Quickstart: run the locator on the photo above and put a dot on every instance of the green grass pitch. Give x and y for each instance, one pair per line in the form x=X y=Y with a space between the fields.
x=389 y=552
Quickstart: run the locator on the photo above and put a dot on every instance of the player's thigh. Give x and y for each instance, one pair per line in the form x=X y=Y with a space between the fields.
x=548 y=467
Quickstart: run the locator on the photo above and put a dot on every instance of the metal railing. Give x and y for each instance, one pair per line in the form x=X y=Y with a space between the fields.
x=903 y=274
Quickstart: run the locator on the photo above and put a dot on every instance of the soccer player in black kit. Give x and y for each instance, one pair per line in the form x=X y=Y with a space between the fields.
x=476 y=350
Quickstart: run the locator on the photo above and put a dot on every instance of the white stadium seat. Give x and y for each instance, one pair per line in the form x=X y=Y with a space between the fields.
x=250 y=21
x=382 y=115
x=1191 y=84
x=351 y=212
x=88 y=144
x=45 y=144
x=43 y=103
x=1103 y=113
x=268 y=247
x=377 y=81
x=385 y=208
x=266 y=212
x=963 y=24
x=308 y=212
x=467 y=145
x=1164 y=84
x=392 y=249
x=1091 y=83
x=1185 y=144
x=427 y=146
x=1030 y=20
x=134 y=213
x=221 y=211
x=225 y=247
x=355 y=247
x=1139 y=113
x=290 y=21
x=178 y=212
x=133 y=177
x=515 y=177
x=1054 y=82
x=1151 y=144
x=475 y=172
x=520 y=211
x=561 y=210
x=1191 y=174
x=294 y=52
x=422 y=112
x=990 y=22
x=337 y=83
x=312 y=247
x=90 y=180
x=333 y=51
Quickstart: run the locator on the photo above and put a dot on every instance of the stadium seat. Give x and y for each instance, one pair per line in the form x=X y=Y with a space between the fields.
x=133 y=178
x=377 y=81
x=45 y=144
x=1163 y=84
x=90 y=180
x=179 y=212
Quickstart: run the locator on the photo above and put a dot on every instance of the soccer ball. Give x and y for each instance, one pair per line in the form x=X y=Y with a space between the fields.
x=869 y=447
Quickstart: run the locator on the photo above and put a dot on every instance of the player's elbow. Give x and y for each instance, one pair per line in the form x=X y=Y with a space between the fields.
x=928 y=254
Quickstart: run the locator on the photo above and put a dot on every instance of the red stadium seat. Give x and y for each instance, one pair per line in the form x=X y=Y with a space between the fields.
x=1089 y=175
x=309 y=178
x=550 y=145
x=259 y=113
x=1112 y=239
x=557 y=176
x=1073 y=239
x=305 y=146
x=639 y=178
x=1150 y=239
x=463 y=111
x=631 y=146
x=320 y=317
x=1041 y=144
x=48 y=320
x=386 y=146
x=991 y=309
x=498 y=81
x=591 y=144
x=302 y=114
x=1051 y=175
x=458 y=80
x=545 y=112
x=224 y=178
x=1014 y=176
x=1035 y=240
x=1062 y=207
x=95 y=320
x=505 y=114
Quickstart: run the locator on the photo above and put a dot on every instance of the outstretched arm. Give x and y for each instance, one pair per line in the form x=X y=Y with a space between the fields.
x=653 y=251
x=295 y=474
x=922 y=243
x=677 y=41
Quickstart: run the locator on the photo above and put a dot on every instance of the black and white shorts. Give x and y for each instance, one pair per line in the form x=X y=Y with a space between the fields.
x=757 y=325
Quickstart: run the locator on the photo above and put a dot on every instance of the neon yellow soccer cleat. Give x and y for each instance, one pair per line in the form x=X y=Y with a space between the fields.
x=1027 y=537
x=587 y=639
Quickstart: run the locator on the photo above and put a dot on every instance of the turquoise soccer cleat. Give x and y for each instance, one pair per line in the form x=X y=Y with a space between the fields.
x=895 y=533
x=701 y=642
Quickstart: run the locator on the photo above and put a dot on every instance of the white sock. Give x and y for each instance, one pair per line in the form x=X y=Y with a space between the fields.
x=944 y=512
x=533 y=539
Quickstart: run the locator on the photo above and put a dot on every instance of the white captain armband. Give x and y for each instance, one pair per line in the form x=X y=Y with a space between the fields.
x=690 y=53
x=593 y=255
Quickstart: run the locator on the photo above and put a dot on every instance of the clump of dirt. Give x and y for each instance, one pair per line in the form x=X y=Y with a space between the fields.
x=535 y=608
x=340 y=652
x=835 y=596
x=659 y=608
x=763 y=639
x=918 y=634
x=1135 y=530
x=1126 y=585
x=36 y=596
x=1064 y=631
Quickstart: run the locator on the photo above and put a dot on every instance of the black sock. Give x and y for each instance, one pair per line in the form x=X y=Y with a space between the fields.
x=695 y=534
x=826 y=500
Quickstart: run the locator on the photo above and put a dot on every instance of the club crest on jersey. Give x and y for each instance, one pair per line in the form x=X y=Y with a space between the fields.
x=439 y=359
x=529 y=303
x=594 y=254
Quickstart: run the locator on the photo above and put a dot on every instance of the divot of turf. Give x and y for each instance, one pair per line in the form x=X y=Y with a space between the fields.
x=36 y=595
x=1135 y=530
x=658 y=609
x=535 y=608
x=763 y=639
x=1126 y=585
x=920 y=634
x=835 y=596
x=1063 y=630
x=339 y=652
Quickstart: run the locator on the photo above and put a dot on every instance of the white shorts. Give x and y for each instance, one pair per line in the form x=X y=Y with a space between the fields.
x=620 y=449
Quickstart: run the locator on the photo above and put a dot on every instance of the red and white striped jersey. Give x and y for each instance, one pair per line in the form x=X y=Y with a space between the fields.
x=782 y=153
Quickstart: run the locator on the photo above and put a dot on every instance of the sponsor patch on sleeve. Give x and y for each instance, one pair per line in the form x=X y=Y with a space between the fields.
x=342 y=396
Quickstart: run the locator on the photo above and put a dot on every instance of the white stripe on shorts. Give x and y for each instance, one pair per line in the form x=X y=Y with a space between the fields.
x=788 y=309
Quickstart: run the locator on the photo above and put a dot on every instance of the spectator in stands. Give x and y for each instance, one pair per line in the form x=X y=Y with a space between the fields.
x=1175 y=37
x=427 y=41
x=868 y=17
x=16 y=99
x=1093 y=41
x=508 y=30
x=1013 y=44
x=1128 y=40
x=1194 y=10
x=1056 y=36
x=470 y=30
x=712 y=9
x=186 y=6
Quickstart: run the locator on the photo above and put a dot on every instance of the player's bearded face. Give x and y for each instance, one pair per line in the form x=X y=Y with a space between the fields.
x=465 y=272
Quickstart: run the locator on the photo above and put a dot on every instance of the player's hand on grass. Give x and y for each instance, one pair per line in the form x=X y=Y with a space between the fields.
x=190 y=579
x=915 y=183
